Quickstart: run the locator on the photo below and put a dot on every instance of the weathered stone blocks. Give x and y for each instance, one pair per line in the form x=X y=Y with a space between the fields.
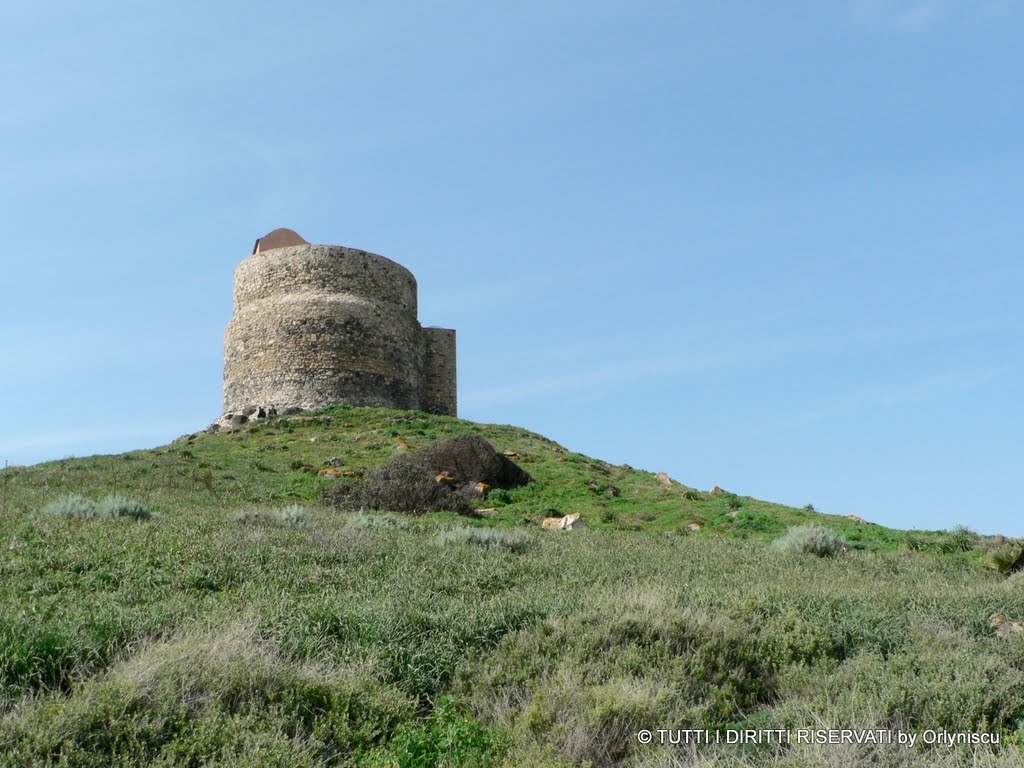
x=315 y=325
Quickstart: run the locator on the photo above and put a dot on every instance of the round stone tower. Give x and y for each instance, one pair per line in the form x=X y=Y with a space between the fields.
x=315 y=325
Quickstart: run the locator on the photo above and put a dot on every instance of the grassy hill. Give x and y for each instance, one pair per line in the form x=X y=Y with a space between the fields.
x=247 y=624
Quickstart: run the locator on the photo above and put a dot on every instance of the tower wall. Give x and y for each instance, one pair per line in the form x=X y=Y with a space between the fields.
x=439 y=379
x=316 y=325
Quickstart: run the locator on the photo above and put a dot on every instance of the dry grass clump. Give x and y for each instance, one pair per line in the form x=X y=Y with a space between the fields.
x=289 y=516
x=211 y=697
x=488 y=538
x=812 y=540
x=76 y=505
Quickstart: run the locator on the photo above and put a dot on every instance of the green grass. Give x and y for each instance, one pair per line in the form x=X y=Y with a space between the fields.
x=229 y=629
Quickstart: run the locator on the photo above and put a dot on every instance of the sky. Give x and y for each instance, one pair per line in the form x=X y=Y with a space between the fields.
x=773 y=247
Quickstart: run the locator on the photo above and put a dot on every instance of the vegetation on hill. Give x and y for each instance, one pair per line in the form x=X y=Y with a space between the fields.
x=220 y=614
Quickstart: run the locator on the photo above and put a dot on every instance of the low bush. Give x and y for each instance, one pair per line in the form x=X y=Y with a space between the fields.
x=72 y=505
x=291 y=516
x=372 y=522
x=1006 y=558
x=812 y=540
x=447 y=738
x=914 y=542
x=960 y=539
x=401 y=486
x=228 y=697
x=732 y=501
x=122 y=506
x=470 y=459
x=489 y=538
x=584 y=684
x=337 y=495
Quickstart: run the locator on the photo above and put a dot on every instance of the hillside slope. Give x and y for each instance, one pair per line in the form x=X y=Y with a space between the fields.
x=244 y=624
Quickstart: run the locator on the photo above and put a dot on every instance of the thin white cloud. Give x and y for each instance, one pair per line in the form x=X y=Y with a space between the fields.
x=583 y=380
x=926 y=389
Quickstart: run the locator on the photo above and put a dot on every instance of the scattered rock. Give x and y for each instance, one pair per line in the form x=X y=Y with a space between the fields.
x=733 y=513
x=330 y=472
x=444 y=477
x=664 y=479
x=718 y=489
x=693 y=527
x=232 y=421
x=567 y=523
x=1003 y=626
x=860 y=520
x=335 y=461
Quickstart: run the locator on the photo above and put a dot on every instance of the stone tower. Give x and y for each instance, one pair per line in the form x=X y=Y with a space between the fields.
x=316 y=325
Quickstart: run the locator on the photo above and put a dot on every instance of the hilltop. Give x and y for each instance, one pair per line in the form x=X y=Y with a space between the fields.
x=277 y=460
x=230 y=618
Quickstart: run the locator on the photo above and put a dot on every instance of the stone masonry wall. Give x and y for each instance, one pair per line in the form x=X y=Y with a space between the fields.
x=439 y=371
x=316 y=325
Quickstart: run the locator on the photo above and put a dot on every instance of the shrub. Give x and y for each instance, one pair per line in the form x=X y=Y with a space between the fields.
x=291 y=516
x=609 y=516
x=469 y=458
x=500 y=497
x=228 y=695
x=812 y=540
x=732 y=501
x=401 y=486
x=72 y=505
x=121 y=506
x=809 y=508
x=960 y=539
x=370 y=521
x=489 y=538
x=584 y=683
x=915 y=542
x=1005 y=559
x=447 y=738
x=692 y=495
x=337 y=495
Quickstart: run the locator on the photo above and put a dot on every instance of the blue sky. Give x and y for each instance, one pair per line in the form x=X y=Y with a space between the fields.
x=769 y=246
